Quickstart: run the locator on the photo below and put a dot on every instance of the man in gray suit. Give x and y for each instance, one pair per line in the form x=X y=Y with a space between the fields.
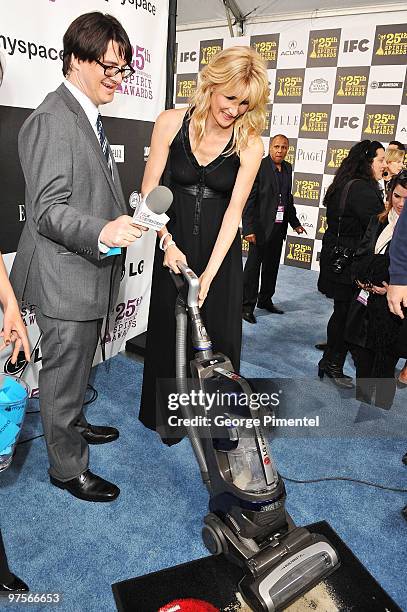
x=75 y=212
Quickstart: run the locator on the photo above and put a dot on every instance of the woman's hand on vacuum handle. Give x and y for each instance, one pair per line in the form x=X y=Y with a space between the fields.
x=171 y=255
x=205 y=281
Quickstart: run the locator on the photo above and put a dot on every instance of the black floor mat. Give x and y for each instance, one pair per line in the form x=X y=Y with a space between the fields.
x=213 y=580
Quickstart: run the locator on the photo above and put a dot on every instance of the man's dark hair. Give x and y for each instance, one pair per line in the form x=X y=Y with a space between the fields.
x=357 y=165
x=88 y=37
x=398 y=144
x=272 y=139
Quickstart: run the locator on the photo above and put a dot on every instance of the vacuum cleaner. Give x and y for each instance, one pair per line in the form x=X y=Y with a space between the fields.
x=247 y=519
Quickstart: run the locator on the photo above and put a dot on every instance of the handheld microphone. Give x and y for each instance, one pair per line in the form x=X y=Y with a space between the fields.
x=150 y=211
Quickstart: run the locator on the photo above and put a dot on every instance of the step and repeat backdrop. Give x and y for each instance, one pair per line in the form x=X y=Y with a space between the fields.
x=31 y=49
x=333 y=82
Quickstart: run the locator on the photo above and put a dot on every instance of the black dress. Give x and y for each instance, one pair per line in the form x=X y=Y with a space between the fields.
x=201 y=197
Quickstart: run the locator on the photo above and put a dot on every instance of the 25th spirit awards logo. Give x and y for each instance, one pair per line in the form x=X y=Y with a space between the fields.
x=307 y=188
x=322 y=224
x=380 y=121
x=323 y=47
x=351 y=85
x=291 y=153
x=315 y=123
x=185 y=87
x=337 y=151
x=289 y=86
x=266 y=46
x=390 y=45
x=269 y=110
x=208 y=49
x=140 y=83
x=298 y=252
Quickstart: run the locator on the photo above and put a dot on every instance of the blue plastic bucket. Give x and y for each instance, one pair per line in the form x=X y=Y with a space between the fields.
x=14 y=395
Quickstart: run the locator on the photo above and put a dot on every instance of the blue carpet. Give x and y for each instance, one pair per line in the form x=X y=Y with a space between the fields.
x=60 y=544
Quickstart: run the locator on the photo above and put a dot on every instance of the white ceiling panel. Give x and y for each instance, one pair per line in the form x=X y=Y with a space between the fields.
x=201 y=11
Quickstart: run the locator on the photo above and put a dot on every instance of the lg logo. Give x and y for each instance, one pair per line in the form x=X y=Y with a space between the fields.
x=342 y=122
x=188 y=56
x=349 y=46
x=136 y=269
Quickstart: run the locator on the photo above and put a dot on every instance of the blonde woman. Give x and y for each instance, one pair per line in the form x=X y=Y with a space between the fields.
x=394 y=159
x=213 y=149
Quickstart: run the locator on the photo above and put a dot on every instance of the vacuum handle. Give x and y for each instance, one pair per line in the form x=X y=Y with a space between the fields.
x=192 y=282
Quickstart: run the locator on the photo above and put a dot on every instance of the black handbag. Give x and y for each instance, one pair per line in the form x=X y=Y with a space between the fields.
x=341 y=257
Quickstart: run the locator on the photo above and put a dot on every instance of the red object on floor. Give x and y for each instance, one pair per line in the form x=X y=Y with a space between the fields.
x=188 y=605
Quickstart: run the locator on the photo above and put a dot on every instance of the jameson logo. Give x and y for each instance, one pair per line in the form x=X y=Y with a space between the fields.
x=267 y=47
x=390 y=45
x=186 y=86
x=289 y=86
x=323 y=47
x=298 y=252
x=291 y=153
x=351 y=85
x=315 y=124
x=336 y=153
x=322 y=224
x=208 y=49
x=307 y=188
x=380 y=120
x=266 y=131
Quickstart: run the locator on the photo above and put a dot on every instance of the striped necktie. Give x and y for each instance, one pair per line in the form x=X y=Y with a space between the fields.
x=104 y=143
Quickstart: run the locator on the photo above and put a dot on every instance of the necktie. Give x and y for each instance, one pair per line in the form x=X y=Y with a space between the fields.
x=104 y=143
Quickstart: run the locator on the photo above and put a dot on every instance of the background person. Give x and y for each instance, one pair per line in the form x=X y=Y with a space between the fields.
x=365 y=163
x=394 y=159
x=75 y=212
x=265 y=222
x=379 y=338
x=14 y=332
x=213 y=150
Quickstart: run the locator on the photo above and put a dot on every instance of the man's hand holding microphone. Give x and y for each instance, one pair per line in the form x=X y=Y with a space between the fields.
x=121 y=232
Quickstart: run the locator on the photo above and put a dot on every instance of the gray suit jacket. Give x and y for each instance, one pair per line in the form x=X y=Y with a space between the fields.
x=70 y=196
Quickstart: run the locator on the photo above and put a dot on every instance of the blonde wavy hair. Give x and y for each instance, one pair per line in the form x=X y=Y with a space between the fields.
x=241 y=72
x=393 y=155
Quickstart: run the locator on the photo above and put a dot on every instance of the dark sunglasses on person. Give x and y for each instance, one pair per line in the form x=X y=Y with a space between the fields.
x=111 y=71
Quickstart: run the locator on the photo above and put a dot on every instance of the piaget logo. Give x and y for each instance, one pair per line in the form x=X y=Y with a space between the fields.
x=267 y=47
x=380 y=120
x=298 y=252
x=186 y=86
x=390 y=44
x=323 y=47
x=208 y=49
x=315 y=123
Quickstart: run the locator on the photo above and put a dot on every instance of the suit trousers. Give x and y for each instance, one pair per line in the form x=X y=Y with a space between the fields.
x=267 y=257
x=5 y=575
x=68 y=349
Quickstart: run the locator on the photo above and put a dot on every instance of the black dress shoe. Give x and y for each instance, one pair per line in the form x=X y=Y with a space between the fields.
x=249 y=317
x=322 y=346
x=404 y=512
x=15 y=585
x=270 y=307
x=96 y=434
x=404 y=459
x=335 y=373
x=89 y=487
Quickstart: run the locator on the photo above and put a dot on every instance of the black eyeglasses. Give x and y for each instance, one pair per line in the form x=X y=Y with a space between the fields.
x=111 y=71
